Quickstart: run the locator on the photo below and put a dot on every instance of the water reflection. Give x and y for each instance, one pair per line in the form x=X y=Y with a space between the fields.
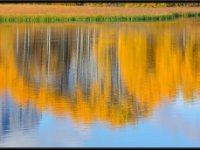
x=13 y=117
x=115 y=73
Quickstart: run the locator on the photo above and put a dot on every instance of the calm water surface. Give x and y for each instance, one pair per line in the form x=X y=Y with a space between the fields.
x=131 y=85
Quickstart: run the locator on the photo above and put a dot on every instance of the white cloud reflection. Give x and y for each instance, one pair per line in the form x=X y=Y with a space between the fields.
x=180 y=117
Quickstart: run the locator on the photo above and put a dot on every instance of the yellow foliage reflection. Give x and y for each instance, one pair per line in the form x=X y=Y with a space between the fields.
x=111 y=73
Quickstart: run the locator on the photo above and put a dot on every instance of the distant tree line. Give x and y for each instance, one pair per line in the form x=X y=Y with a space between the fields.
x=135 y=4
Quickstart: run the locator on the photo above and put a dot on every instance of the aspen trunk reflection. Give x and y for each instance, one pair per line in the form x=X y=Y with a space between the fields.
x=101 y=72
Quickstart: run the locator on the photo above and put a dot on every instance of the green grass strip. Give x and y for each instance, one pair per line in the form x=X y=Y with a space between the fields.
x=61 y=19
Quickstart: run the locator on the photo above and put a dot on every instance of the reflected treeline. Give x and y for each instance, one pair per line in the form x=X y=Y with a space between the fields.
x=114 y=73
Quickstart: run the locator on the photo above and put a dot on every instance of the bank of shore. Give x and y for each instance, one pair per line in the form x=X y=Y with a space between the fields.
x=41 y=13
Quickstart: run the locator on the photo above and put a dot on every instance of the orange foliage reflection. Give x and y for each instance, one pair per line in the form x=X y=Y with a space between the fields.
x=100 y=72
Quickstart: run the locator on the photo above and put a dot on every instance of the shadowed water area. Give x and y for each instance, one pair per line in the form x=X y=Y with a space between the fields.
x=122 y=84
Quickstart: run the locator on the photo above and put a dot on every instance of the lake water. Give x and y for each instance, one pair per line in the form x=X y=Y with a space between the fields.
x=100 y=85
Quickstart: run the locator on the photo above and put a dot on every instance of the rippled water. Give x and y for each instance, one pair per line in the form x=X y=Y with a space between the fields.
x=131 y=85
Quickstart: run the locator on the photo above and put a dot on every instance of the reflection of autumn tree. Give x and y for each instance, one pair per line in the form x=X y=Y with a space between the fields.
x=175 y=63
x=27 y=83
x=100 y=72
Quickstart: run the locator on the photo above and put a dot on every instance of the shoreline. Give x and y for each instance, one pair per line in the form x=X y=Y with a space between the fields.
x=35 y=13
x=97 y=19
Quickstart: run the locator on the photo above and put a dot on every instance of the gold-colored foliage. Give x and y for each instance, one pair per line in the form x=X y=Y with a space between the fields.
x=100 y=72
